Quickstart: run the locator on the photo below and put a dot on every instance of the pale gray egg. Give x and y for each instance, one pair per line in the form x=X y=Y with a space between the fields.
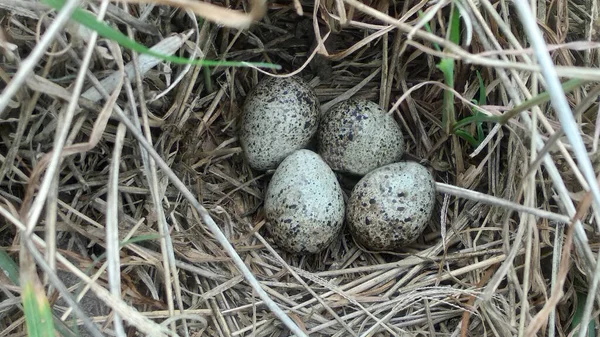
x=357 y=136
x=390 y=207
x=304 y=205
x=280 y=116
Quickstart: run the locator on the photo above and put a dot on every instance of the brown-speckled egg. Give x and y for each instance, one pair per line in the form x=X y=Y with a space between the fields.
x=280 y=116
x=304 y=206
x=357 y=136
x=390 y=207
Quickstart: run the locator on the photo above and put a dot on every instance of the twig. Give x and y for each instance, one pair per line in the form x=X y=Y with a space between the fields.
x=112 y=227
x=495 y=201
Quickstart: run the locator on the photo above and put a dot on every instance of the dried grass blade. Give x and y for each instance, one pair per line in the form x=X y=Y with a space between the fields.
x=212 y=226
x=26 y=67
x=222 y=16
x=167 y=46
x=559 y=101
x=112 y=227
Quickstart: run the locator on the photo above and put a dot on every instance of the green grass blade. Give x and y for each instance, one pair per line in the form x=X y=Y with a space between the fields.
x=428 y=29
x=446 y=65
x=455 y=26
x=578 y=315
x=38 y=315
x=448 y=119
x=88 y=20
x=9 y=267
x=482 y=101
x=542 y=98
x=466 y=136
x=480 y=118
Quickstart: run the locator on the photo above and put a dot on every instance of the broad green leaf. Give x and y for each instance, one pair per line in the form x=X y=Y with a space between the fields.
x=581 y=297
x=38 y=315
x=455 y=26
x=9 y=267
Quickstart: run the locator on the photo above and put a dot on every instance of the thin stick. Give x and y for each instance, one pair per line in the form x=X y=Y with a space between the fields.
x=112 y=227
x=495 y=201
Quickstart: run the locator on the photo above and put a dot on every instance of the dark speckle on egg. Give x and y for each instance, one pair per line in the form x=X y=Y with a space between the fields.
x=304 y=204
x=357 y=136
x=389 y=218
x=280 y=116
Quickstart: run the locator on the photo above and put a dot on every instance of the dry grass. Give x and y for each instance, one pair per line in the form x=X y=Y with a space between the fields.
x=78 y=176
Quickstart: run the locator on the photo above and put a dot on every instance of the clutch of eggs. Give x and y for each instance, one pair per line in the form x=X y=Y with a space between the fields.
x=304 y=207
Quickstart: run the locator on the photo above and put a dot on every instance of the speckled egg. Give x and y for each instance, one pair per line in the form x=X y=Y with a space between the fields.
x=390 y=207
x=304 y=206
x=357 y=136
x=280 y=116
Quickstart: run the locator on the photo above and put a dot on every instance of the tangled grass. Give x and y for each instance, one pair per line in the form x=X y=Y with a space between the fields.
x=128 y=209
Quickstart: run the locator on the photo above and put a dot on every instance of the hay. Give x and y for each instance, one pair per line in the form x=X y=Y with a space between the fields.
x=488 y=263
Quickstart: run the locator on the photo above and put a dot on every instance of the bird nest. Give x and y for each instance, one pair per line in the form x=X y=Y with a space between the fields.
x=128 y=207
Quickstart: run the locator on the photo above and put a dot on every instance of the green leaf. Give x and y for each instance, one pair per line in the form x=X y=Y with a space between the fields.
x=541 y=98
x=9 y=267
x=479 y=118
x=482 y=100
x=38 y=315
x=455 y=26
x=88 y=20
x=581 y=298
x=446 y=65
x=466 y=136
x=428 y=29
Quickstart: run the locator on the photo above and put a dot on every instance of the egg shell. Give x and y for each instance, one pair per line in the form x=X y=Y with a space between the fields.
x=280 y=116
x=304 y=205
x=390 y=207
x=357 y=136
